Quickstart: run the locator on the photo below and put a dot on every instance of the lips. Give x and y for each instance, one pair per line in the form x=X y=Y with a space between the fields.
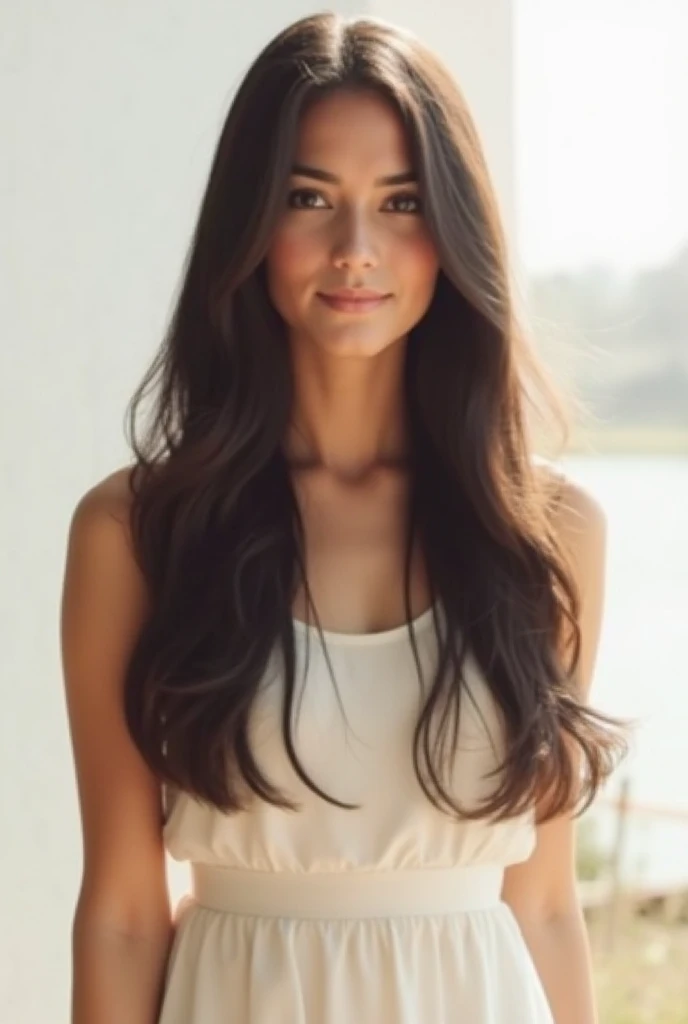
x=354 y=300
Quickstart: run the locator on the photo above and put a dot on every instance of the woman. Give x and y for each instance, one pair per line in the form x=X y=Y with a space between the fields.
x=378 y=809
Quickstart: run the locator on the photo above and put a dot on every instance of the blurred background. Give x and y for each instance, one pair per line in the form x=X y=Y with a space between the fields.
x=110 y=115
x=601 y=161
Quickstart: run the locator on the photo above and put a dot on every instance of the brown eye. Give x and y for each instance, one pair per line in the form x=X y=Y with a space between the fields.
x=305 y=199
x=406 y=202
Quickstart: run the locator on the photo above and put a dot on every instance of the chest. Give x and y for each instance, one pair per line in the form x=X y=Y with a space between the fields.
x=354 y=556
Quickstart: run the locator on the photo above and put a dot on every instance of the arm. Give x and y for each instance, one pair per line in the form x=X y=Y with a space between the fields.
x=542 y=891
x=122 y=922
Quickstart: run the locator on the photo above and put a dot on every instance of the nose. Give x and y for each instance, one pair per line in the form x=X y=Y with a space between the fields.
x=354 y=247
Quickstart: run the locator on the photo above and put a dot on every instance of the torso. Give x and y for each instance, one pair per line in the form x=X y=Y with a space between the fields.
x=355 y=540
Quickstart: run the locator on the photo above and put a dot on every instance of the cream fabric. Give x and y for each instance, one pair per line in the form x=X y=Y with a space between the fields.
x=389 y=914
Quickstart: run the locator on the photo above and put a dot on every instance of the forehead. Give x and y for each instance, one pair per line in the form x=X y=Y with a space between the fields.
x=353 y=131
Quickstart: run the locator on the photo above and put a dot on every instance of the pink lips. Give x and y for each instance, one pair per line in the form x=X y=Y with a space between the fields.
x=353 y=300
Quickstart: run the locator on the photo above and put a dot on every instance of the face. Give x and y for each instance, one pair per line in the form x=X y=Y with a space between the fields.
x=352 y=267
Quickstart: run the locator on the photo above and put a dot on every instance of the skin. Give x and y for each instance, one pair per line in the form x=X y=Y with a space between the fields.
x=346 y=447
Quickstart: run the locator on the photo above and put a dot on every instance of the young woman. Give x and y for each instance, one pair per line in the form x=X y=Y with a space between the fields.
x=378 y=808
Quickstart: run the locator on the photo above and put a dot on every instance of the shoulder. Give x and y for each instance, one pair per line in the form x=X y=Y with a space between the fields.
x=111 y=494
x=99 y=545
x=104 y=508
x=580 y=526
x=579 y=518
x=105 y=597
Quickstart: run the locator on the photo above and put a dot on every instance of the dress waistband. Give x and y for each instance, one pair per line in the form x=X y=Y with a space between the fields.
x=351 y=893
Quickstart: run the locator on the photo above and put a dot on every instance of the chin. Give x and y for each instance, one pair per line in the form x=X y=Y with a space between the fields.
x=367 y=343
x=351 y=339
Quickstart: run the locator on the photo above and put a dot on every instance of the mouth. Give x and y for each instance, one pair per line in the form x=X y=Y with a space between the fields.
x=354 y=300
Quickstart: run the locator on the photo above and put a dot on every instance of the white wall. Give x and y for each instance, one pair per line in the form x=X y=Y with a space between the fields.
x=110 y=112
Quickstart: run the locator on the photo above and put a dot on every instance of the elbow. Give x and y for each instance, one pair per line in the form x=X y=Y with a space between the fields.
x=98 y=916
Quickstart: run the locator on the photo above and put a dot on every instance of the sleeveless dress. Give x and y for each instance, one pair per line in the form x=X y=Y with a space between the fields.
x=387 y=914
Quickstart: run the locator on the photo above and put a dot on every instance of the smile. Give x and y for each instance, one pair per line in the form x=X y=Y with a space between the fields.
x=346 y=304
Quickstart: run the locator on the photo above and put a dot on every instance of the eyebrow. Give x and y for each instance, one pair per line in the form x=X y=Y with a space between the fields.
x=404 y=178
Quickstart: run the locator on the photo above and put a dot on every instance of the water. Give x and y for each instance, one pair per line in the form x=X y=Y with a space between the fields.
x=641 y=667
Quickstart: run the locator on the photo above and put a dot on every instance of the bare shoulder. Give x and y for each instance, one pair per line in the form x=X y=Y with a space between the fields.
x=99 y=530
x=108 y=499
x=580 y=518
x=580 y=522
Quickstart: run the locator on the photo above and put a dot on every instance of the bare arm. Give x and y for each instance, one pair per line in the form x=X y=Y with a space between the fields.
x=116 y=978
x=122 y=923
x=542 y=891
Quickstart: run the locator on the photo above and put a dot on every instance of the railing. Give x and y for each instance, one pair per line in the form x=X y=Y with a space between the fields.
x=638 y=807
x=611 y=893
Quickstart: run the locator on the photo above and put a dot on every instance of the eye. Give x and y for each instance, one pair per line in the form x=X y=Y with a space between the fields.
x=306 y=199
x=406 y=202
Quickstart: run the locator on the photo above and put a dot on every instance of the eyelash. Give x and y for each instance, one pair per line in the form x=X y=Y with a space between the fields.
x=312 y=192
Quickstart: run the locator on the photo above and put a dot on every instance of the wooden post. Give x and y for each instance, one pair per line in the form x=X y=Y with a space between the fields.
x=616 y=894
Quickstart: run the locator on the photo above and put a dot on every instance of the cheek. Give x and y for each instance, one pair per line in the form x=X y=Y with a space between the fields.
x=419 y=264
x=291 y=257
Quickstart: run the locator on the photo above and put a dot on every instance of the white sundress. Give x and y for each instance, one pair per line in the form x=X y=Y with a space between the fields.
x=389 y=914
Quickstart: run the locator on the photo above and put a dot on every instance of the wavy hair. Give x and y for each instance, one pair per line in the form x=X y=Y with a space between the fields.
x=214 y=521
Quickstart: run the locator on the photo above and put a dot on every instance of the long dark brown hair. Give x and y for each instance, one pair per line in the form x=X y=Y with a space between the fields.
x=214 y=520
